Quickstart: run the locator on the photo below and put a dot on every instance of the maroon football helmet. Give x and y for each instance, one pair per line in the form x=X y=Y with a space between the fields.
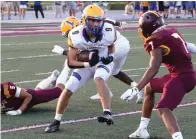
x=149 y=22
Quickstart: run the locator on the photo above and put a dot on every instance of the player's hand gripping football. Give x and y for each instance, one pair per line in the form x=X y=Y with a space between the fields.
x=58 y=50
x=17 y=112
x=107 y=60
x=130 y=94
x=94 y=58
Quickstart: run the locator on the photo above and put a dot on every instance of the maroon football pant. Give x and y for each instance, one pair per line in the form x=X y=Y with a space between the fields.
x=173 y=88
x=45 y=95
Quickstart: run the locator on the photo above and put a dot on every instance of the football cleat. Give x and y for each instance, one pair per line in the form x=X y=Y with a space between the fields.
x=53 y=127
x=139 y=100
x=106 y=118
x=96 y=97
x=55 y=74
x=140 y=133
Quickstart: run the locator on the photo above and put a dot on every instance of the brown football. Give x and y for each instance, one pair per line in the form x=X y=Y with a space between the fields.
x=83 y=56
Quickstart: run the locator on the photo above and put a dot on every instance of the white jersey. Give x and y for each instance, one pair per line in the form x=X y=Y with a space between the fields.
x=77 y=39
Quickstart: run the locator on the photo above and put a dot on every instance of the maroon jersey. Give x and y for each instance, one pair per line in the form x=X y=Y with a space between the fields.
x=176 y=57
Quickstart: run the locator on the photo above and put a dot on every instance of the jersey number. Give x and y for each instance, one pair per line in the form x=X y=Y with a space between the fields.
x=177 y=36
x=108 y=29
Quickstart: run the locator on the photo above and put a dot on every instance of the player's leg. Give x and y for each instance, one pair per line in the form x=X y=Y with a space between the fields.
x=173 y=94
x=44 y=95
x=62 y=79
x=78 y=78
x=102 y=74
x=122 y=48
x=155 y=85
x=44 y=84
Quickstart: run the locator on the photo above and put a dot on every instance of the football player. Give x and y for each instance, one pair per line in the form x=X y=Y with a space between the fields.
x=97 y=37
x=164 y=45
x=122 y=48
x=15 y=100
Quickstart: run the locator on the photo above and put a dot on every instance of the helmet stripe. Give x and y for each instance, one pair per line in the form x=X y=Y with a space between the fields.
x=155 y=13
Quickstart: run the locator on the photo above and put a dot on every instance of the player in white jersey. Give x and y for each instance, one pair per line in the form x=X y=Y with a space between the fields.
x=122 y=48
x=93 y=35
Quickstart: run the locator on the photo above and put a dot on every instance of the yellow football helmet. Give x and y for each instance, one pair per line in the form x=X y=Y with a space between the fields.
x=91 y=14
x=68 y=24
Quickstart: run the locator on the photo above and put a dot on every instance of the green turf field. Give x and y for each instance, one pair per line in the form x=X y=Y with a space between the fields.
x=26 y=71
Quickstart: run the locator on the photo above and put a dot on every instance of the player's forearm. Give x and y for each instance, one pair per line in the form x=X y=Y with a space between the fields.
x=148 y=75
x=25 y=103
x=74 y=64
x=113 y=22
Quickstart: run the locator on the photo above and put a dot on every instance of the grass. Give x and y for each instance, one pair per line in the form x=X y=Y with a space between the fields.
x=81 y=106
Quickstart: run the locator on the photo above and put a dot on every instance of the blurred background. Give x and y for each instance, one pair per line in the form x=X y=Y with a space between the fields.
x=25 y=10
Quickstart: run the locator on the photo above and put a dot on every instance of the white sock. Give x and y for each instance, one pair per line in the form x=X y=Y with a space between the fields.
x=44 y=84
x=107 y=110
x=62 y=79
x=58 y=116
x=144 y=122
x=191 y=47
x=177 y=135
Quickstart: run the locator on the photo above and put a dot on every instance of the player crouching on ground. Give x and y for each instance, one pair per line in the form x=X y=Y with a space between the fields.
x=15 y=100
x=165 y=46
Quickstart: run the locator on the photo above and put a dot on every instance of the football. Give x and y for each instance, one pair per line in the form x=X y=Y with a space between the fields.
x=83 y=56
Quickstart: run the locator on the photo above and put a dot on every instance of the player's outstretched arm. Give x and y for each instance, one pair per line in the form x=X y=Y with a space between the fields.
x=21 y=94
x=155 y=63
x=191 y=47
x=27 y=99
x=114 y=22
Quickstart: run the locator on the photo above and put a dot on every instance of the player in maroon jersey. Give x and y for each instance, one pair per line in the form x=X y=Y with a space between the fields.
x=15 y=100
x=165 y=46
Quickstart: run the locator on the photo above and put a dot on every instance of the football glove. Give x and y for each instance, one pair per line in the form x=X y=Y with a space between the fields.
x=107 y=60
x=94 y=59
x=58 y=50
x=122 y=25
x=130 y=94
x=17 y=112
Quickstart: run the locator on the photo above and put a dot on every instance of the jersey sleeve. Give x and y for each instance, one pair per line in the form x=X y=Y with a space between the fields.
x=152 y=43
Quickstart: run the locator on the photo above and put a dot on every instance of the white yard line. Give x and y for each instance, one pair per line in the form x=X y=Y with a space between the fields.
x=29 y=57
x=31 y=81
x=81 y=120
x=8 y=71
